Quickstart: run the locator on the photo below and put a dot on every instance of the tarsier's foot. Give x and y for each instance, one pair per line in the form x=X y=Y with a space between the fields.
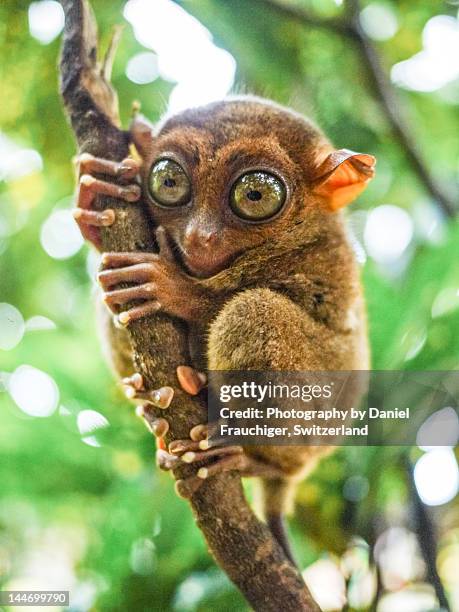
x=196 y=450
x=158 y=280
x=89 y=187
x=192 y=382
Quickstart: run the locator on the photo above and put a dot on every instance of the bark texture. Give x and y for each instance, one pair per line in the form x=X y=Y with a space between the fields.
x=241 y=544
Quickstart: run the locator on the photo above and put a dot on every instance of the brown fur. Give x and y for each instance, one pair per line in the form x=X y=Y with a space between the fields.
x=291 y=277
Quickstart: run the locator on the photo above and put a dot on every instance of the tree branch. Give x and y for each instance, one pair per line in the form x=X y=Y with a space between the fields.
x=382 y=89
x=241 y=544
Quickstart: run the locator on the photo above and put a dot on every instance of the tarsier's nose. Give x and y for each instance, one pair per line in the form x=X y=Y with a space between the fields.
x=199 y=237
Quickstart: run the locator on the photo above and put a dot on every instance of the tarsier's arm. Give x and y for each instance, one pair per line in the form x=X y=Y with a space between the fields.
x=158 y=280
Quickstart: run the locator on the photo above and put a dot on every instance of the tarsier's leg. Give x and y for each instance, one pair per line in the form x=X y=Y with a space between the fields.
x=252 y=333
x=89 y=187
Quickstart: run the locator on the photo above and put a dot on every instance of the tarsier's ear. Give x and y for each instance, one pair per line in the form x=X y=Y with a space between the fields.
x=141 y=131
x=342 y=176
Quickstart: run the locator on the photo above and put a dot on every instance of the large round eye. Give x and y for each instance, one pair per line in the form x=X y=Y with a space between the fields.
x=257 y=196
x=169 y=184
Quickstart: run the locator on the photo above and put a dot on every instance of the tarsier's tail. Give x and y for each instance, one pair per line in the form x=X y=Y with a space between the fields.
x=276 y=500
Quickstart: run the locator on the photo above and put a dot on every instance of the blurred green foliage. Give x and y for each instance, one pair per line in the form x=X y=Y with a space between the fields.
x=101 y=518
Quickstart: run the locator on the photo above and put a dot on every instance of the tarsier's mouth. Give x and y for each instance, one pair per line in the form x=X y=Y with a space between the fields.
x=204 y=264
x=205 y=267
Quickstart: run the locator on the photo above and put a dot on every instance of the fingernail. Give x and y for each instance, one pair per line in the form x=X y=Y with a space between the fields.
x=162 y=397
x=124 y=318
x=203 y=473
x=85 y=157
x=108 y=217
x=136 y=381
x=198 y=432
x=176 y=447
x=188 y=457
x=204 y=444
x=87 y=180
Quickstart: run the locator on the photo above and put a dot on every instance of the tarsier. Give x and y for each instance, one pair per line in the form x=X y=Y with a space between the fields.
x=253 y=255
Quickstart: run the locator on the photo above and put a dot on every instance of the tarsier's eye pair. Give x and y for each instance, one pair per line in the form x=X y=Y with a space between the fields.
x=255 y=196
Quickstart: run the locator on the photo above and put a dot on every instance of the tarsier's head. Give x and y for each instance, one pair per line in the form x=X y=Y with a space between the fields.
x=231 y=175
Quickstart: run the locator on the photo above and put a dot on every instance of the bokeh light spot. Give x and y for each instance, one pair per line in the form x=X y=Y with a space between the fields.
x=445 y=302
x=16 y=161
x=327 y=584
x=46 y=20
x=142 y=558
x=356 y=488
x=379 y=21
x=12 y=326
x=39 y=323
x=203 y=73
x=90 y=420
x=388 y=232
x=437 y=476
x=60 y=236
x=440 y=429
x=33 y=391
x=142 y=68
x=437 y=64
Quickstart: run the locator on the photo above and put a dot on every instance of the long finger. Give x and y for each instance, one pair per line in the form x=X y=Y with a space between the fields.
x=122 y=296
x=139 y=312
x=193 y=457
x=95 y=218
x=126 y=169
x=115 y=260
x=226 y=464
x=137 y=274
x=129 y=193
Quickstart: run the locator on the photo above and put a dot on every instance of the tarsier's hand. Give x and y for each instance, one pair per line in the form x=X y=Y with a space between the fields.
x=88 y=219
x=157 y=279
